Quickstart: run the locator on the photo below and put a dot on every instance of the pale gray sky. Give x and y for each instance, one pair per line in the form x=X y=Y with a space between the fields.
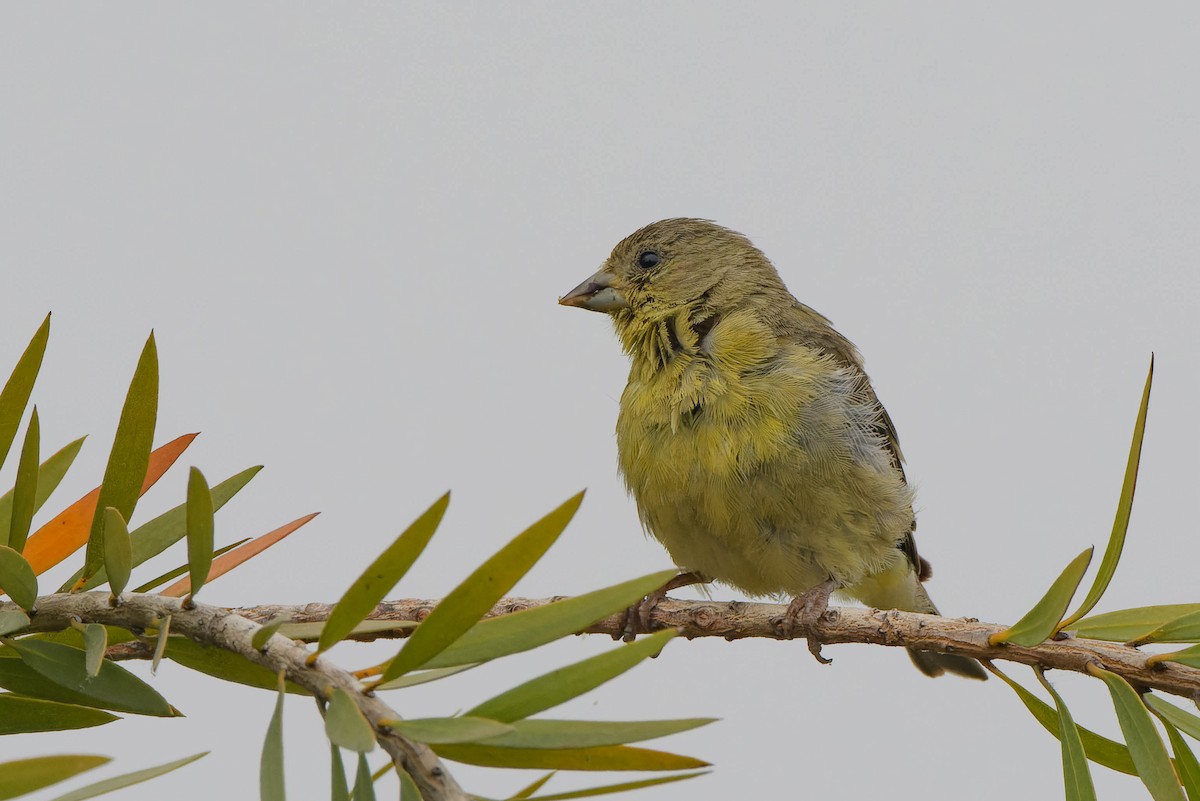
x=348 y=225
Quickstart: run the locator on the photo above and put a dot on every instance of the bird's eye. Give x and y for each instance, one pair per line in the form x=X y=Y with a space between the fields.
x=648 y=259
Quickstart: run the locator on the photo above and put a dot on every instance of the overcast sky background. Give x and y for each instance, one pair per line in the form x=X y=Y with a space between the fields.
x=348 y=224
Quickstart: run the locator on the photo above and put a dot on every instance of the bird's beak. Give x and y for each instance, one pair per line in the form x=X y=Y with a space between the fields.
x=596 y=294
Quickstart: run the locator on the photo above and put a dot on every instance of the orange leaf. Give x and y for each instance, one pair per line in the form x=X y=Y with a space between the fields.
x=228 y=561
x=68 y=531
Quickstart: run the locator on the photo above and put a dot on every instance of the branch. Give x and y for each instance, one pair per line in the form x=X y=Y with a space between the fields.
x=227 y=629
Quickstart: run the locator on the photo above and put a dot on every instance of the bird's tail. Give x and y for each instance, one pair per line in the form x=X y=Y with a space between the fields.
x=899 y=588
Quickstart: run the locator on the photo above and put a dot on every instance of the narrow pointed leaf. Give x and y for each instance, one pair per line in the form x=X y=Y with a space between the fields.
x=345 y=725
x=113 y=688
x=50 y=474
x=1185 y=763
x=226 y=665
x=468 y=602
x=270 y=769
x=17 y=579
x=95 y=641
x=421 y=677
x=199 y=529
x=1181 y=629
x=1181 y=719
x=521 y=631
x=589 y=733
x=267 y=630
x=1042 y=621
x=160 y=644
x=12 y=620
x=338 y=790
x=449 y=730
x=20 y=715
x=155 y=536
x=68 y=531
x=552 y=689
x=130 y=456
x=1128 y=625
x=617 y=757
x=383 y=574
x=15 y=395
x=1099 y=749
x=238 y=556
x=127 y=779
x=25 y=490
x=364 y=785
x=1077 y=778
x=1188 y=656
x=311 y=631
x=623 y=787
x=118 y=551
x=408 y=788
x=530 y=789
x=1145 y=745
x=1116 y=540
x=178 y=571
x=23 y=776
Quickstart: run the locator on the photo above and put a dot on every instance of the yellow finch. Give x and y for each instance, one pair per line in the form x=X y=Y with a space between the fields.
x=749 y=434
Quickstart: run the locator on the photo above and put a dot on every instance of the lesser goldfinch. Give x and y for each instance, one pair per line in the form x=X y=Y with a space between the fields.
x=749 y=434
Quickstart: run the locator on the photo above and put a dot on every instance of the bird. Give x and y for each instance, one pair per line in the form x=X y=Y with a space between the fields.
x=749 y=434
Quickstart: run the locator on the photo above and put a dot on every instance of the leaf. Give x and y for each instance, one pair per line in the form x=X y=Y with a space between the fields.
x=50 y=474
x=23 y=776
x=1101 y=750
x=199 y=530
x=267 y=630
x=155 y=536
x=552 y=689
x=160 y=644
x=1185 y=763
x=127 y=779
x=1181 y=719
x=448 y=730
x=270 y=770
x=421 y=677
x=17 y=390
x=617 y=757
x=364 y=785
x=226 y=665
x=1145 y=746
x=21 y=715
x=25 y=490
x=522 y=631
x=589 y=733
x=68 y=531
x=176 y=572
x=528 y=790
x=1116 y=540
x=130 y=456
x=467 y=602
x=623 y=787
x=345 y=725
x=12 y=620
x=1127 y=625
x=1077 y=778
x=118 y=551
x=408 y=788
x=383 y=574
x=339 y=790
x=311 y=631
x=226 y=562
x=95 y=642
x=1188 y=656
x=113 y=688
x=1041 y=621
x=17 y=578
x=1181 y=629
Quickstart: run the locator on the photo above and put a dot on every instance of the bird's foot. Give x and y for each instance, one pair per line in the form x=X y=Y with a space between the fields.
x=807 y=610
x=637 y=616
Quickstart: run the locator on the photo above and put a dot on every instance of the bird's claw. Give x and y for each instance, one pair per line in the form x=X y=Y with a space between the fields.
x=805 y=612
x=637 y=616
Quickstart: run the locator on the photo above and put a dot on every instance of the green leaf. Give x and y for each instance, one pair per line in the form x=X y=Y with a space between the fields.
x=1185 y=763
x=1099 y=749
x=1179 y=718
x=270 y=770
x=1116 y=540
x=528 y=790
x=552 y=689
x=1181 y=629
x=345 y=725
x=1077 y=778
x=15 y=396
x=50 y=474
x=127 y=779
x=449 y=730
x=267 y=630
x=95 y=642
x=383 y=574
x=311 y=631
x=421 y=677
x=1145 y=746
x=1188 y=656
x=522 y=631
x=130 y=455
x=339 y=790
x=1041 y=621
x=364 y=785
x=617 y=757
x=20 y=715
x=12 y=620
x=199 y=530
x=23 y=776
x=176 y=572
x=589 y=733
x=1127 y=625
x=468 y=602
x=17 y=578
x=113 y=688
x=623 y=787
x=25 y=490
x=408 y=788
x=160 y=643
x=118 y=551
x=226 y=665
x=155 y=536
